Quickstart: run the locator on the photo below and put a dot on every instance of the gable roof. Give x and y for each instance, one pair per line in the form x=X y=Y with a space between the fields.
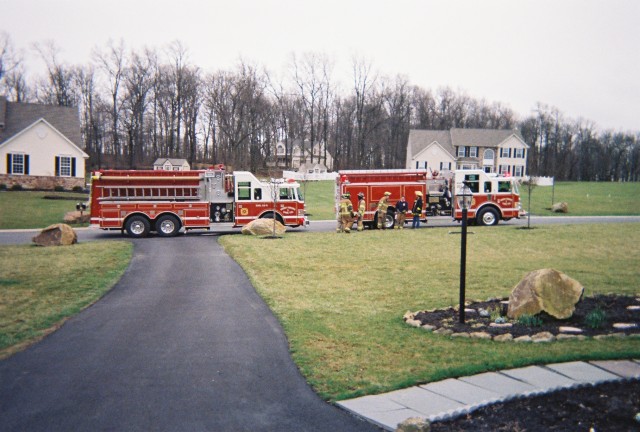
x=482 y=137
x=419 y=139
x=16 y=117
x=174 y=162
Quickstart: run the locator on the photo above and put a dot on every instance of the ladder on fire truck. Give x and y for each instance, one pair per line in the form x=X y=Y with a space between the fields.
x=149 y=193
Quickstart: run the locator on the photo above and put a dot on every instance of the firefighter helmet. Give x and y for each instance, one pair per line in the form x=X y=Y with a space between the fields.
x=361 y=195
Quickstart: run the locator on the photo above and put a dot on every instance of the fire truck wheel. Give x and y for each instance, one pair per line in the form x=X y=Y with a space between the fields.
x=389 y=220
x=167 y=226
x=488 y=217
x=137 y=226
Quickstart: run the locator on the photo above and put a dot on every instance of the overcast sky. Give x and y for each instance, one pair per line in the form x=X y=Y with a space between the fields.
x=580 y=56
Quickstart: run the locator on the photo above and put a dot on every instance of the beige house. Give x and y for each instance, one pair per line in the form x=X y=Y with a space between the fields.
x=167 y=164
x=40 y=146
x=492 y=150
x=297 y=158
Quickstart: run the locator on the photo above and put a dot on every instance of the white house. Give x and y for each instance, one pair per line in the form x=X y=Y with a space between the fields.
x=40 y=146
x=296 y=158
x=492 y=150
x=167 y=164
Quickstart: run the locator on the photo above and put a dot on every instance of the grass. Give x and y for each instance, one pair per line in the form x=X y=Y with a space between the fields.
x=585 y=198
x=40 y=287
x=26 y=209
x=341 y=298
x=319 y=199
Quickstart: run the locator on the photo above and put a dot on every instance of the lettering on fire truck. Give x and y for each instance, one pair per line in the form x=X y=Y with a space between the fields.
x=141 y=202
x=495 y=197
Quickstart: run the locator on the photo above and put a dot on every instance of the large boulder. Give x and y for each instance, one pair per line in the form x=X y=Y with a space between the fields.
x=561 y=207
x=545 y=290
x=264 y=226
x=56 y=235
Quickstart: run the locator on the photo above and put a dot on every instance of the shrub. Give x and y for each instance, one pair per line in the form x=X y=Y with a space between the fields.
x=3 y=186
x=78 y=189
x=17 y=187
x=596 y=318
x=494 y=313
x=58 y=188
x=530 y=320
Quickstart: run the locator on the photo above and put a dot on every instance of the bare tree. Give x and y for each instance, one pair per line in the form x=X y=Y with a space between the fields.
x=58 y=88
x=112 y=61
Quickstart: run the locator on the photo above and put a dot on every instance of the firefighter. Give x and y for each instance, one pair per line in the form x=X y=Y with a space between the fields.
x=383 y=204
x=417 y=210
x=362 y=207
x=401 y=212
x=345 y=213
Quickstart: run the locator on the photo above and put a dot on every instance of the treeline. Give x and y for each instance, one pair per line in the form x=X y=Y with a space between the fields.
x=138 y=105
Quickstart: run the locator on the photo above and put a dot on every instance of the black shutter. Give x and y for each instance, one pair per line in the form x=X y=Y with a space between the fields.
x=73 y=167
x=57 y=166
x=26 y=164
x=9 y=166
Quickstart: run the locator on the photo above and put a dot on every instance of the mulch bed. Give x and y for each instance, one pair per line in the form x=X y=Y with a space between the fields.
x=614 y=306
x=613 y=406
x=606 y=407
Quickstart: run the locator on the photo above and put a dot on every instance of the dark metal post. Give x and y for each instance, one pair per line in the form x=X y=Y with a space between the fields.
x=463 y=263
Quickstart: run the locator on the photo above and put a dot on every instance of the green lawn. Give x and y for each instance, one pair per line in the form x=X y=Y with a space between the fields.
x=341 y=298
x=26 y=209
x=585 y=198
x=319 y=199
x=42 y=286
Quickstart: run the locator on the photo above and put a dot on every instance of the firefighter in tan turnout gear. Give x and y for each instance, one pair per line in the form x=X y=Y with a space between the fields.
x=362 y=207
x=383 y=204
x=345 y=214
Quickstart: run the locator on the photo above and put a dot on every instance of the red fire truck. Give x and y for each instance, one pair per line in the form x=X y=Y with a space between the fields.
x=494 y=197
x=140 y=202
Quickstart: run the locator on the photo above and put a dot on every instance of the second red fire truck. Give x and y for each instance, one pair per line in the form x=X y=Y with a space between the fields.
x=140 y=202
x=495 y=197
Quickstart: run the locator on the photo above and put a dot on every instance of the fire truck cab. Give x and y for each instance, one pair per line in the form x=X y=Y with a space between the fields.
x=140 y=202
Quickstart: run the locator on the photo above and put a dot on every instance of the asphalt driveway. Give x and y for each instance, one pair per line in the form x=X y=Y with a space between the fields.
x=182 y=343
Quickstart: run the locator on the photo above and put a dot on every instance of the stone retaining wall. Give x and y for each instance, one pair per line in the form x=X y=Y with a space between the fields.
x=41 y=182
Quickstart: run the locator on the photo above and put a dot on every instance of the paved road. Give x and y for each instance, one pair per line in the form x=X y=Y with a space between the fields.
x=88 y=234
x=182 y=343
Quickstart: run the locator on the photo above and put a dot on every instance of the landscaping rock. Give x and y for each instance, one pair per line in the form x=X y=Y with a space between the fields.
x=545 y=290
x=56 y=235
x=414 y=424
x=561 y=207
x=480 y=335
x=571 y=330
x=261 y=227
x=543 y=337
x=76 y=217
x=523 y=339
x=503 y=337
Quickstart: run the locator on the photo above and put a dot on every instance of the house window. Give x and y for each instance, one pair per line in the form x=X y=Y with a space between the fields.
x=504 y=169
x=461 y=151
x=519 y=153
x=64 y=166
x=445 y=166
x=473 y=152
x=17 y=163
x=518 y=170
x=488 y=155
x=505 y=152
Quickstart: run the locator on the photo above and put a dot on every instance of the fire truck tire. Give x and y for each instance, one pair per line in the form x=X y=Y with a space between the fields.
x=137 y=226
x=389 y=221
x=269 y=215
x=488 y=217
x=168 y=226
